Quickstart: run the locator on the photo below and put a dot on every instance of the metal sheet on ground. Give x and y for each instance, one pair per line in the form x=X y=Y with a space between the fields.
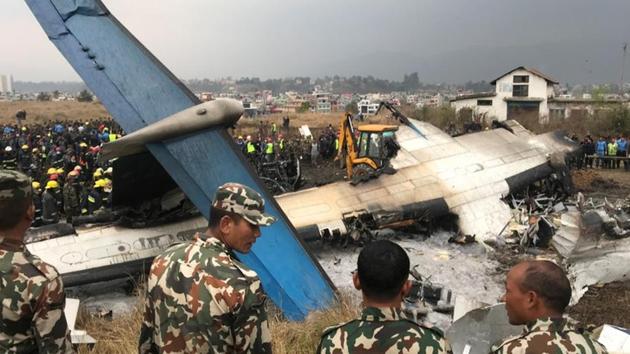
x=138 y=90
x=479 y=329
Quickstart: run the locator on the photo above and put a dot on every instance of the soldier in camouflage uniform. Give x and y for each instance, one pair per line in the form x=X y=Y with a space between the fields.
x=31 y=291
x=382 y=276
x=536 y=295
x=200 y=298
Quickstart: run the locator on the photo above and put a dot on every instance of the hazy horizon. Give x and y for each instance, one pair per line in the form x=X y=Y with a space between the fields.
x=444 y=41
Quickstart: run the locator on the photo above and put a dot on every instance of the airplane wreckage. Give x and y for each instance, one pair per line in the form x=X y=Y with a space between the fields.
x=162 y=196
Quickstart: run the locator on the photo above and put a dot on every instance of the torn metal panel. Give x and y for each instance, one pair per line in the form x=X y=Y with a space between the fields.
x=479 y=329
x=599 y=262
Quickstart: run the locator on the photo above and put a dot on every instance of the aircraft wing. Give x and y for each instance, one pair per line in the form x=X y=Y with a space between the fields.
x=138 y=90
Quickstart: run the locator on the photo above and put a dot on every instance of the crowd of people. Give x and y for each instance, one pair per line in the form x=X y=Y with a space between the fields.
x=603 y=152
x=270 y=144
x=61 y=158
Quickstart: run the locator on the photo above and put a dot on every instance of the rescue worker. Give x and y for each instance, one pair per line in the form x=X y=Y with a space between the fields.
x=600 y=149
x=50 y=208
x=10 y=159
x=94 y=197
x=25 y=158
x=250 y=148
x=382 y=277
x=71 y=196
x=281 y=143
x=37 y=203
x=183 y=311
x=612 y=153
x=622 y=151
x=32 y=318
x=589 y=151
x=269 y=150
x=536 y=295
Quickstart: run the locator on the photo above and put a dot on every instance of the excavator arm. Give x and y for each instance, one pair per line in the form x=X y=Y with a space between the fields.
x=347 y=143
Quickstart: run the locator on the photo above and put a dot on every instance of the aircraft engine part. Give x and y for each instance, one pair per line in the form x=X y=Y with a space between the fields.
x=222 y=112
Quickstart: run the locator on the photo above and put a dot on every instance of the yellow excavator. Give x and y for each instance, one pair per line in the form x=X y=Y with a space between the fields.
x=368 y=155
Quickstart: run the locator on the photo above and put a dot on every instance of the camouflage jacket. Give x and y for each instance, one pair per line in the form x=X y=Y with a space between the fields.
x=382 y=330
x=200 y=299
x=547 y=335
x=70 y=198
x=32 y=318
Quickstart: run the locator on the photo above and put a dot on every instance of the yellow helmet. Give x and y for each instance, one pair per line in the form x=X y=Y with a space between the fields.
x=97 y=174
x=24 y=147
x=52 y=184
x=59 y=171
x=23 y=129
x=36 y=185
x=51 y=171
x=83 y=144
x=101 y=183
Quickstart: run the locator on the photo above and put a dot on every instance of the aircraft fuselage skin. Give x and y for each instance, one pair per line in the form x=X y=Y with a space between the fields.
x=111 y=252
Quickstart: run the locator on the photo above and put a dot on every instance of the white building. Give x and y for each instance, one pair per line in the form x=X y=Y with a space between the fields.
x=6 y=84
x=322 y=102
x=517 y=92
x=366 y=107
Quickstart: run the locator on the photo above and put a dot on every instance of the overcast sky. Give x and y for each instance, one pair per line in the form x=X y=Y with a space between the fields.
x=443 y=40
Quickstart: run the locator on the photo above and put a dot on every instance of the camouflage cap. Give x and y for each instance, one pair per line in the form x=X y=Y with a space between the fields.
x=14 y=185
x=244 y=201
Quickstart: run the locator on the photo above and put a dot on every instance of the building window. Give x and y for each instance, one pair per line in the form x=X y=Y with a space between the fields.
x=520 y=90
x=519 y=79
x=556 y=113
x=484 y=102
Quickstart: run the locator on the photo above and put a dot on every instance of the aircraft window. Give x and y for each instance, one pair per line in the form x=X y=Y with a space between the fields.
x=363 y=144
x=375 y=145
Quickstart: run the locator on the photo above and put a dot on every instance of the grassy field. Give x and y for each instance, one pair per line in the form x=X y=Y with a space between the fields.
x=41 y=112
x=120 y=335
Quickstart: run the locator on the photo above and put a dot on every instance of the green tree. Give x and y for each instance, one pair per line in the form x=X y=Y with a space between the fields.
x=304 y=107
x=43 y=96
x=352 y=107
x=85 y=96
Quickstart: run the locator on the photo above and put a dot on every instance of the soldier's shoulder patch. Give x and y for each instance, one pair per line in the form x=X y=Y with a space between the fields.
x=44 y=268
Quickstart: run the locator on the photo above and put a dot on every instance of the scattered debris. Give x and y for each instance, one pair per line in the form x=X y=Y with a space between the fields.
x=77 y=336
x=426 y=297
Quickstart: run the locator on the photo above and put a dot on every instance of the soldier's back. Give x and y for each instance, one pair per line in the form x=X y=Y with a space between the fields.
x=201 y=297
x=33 y=301
x=382 y=330
x=553 y=336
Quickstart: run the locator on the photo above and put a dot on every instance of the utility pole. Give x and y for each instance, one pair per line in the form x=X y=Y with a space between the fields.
x=623 y=65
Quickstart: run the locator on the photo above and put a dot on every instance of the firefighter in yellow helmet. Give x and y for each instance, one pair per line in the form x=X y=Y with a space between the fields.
x=50 y=208
x=95 y=196
x=37 y=203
